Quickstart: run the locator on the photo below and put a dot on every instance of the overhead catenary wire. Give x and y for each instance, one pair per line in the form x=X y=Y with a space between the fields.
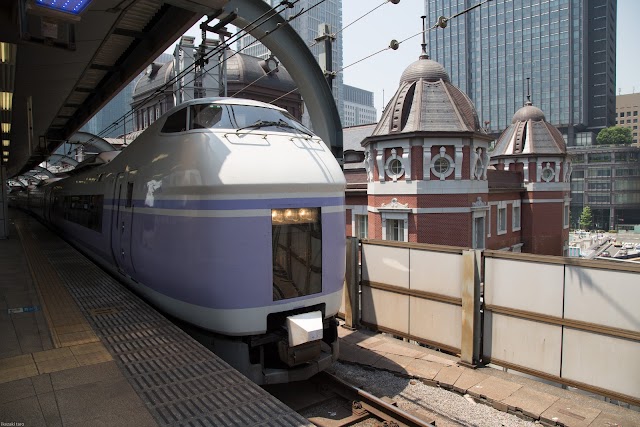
x=442 y=23
x=255 y=24
x=273 y=11
x=287 y=21
x=356 y=20
x=237 y=35
x=128 y=116
x=313 y=44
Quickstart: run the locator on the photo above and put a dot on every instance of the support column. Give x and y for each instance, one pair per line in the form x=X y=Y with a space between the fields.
x=4 y=214
x=351 y=300
x=470 y=342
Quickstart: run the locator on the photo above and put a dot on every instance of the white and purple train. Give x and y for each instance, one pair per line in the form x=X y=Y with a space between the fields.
x=228 y=215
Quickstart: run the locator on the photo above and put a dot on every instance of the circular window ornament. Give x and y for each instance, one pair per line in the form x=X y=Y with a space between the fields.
x=478 y=170
x=394 y=166
x=548 y=174
x=442 y=164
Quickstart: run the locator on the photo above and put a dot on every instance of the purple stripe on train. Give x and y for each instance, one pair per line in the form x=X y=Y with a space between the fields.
x=236 y=204
x=222 y=263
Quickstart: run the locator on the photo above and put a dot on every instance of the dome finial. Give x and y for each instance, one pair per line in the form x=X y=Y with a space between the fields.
x=528 y=92
x=424 y=54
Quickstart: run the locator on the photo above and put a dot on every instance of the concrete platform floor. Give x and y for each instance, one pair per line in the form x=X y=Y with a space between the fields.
x=79 y=349
x=55 y=376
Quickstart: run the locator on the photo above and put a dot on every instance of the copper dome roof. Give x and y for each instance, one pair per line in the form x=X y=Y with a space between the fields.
x=426 y=101
x=528 y=112
x=529 y=134
x=426 y=69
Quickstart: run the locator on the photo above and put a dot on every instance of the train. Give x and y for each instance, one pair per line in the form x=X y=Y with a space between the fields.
x=226 y=214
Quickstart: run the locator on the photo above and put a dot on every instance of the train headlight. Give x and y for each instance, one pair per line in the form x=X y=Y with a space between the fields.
x=277 y=216
x=294 y=216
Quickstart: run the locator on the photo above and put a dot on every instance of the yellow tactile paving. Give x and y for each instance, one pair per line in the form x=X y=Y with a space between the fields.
x=67 y=324
x=16 y=368
x=58 y=359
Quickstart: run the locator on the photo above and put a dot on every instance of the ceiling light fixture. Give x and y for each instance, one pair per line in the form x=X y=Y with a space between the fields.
x=6 y=99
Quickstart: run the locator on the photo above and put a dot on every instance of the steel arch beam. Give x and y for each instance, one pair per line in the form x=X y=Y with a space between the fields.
x=89 y=139
x=292 y=51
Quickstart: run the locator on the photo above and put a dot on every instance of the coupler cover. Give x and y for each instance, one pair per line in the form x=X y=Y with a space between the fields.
x=304 y=328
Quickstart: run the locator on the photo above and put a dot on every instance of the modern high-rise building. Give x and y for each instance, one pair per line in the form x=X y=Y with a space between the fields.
x=627 y=108
x=358 y=107
x=566 y=47
x=327 y=12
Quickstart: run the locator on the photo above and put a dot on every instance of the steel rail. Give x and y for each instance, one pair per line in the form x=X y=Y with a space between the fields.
x=370 y=405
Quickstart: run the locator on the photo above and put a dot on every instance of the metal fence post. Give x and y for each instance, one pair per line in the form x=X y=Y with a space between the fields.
x=470 y=345
x=352 y=305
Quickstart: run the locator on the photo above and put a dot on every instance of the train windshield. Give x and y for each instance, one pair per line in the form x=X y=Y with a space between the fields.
x=239 y=117
x=297 y=252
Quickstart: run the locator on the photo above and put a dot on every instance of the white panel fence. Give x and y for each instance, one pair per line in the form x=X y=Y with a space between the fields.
x=572 y=321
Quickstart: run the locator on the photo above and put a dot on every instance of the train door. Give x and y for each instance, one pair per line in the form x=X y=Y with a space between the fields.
x=121 y=223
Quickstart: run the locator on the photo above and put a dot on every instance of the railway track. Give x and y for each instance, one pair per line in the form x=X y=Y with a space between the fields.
x=328 y=401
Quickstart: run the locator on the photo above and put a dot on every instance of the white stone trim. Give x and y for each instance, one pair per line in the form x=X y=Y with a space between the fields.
x=356 y=210
x=442 y=210
x=547 y=166
x=427 y=187
x=402 y=216
x=459 y=156
x=380 y=162
x=387 y=163
x=514 y=205
x=425 y=210
x=517 y=248
x=501 y=205
x=426 y=163
x=479 y=209
x=452 y=165
x=406 y=163
x=543 y=201
x=547 y=186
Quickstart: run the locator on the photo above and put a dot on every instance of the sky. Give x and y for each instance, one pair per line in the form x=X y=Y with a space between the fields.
x=380 y=74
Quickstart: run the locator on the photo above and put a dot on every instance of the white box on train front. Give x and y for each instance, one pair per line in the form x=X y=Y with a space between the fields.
x=304 y=327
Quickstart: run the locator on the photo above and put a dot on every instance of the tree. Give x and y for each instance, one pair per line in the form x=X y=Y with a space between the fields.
x=615 y=135
x=586 y=218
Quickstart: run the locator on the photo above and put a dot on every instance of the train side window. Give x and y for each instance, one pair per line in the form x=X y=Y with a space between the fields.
x=129 y=194
x=177 y=122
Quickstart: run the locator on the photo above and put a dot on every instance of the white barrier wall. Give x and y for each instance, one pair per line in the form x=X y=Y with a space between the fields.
x=573 y=321
x=567 y=320
x=413 y=290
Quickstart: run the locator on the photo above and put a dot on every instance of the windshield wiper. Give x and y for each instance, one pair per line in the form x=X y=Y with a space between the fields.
x=280 y=123
x=283 y=124
x=259 y=124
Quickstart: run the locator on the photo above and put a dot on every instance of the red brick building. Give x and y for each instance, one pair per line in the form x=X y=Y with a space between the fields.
x=425 y=173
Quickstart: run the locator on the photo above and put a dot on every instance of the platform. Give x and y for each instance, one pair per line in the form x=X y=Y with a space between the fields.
x=506 y=391
x=78 y=348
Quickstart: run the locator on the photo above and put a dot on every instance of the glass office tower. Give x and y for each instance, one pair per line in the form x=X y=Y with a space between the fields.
x=566 y=47
x=327 y=12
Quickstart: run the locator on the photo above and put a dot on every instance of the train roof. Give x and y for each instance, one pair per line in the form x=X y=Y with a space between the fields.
x=226 y=101
x=95 y=160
